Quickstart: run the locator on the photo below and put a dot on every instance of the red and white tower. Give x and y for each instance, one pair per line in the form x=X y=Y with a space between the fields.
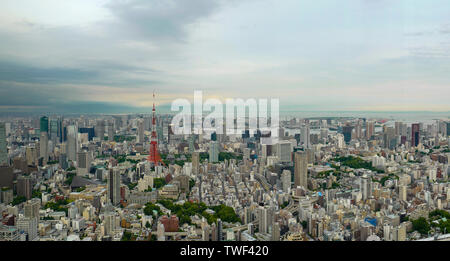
x=154 y=156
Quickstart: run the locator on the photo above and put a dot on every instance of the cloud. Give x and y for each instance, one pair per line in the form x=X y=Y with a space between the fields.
x=158 y=19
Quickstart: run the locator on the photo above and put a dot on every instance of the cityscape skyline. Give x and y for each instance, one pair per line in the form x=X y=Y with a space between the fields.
x=218 y=121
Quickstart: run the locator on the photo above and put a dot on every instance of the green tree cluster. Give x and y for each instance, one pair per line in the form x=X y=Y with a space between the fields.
x=357 y=163
x=159 y=182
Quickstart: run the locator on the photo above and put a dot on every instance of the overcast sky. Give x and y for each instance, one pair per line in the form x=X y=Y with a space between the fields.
x=109 y=56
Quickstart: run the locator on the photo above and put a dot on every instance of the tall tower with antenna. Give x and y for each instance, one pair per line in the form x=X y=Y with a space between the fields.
x=154 y=156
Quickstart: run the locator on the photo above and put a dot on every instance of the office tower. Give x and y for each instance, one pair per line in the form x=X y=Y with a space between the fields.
x=24 y=187
x=276 y=232
x=109 y=224
x=72 y=144
x=415 y=134
x=31 y=208
x=43 y=143
x=246 y=154
x=3 y=144
x=61 y=130
x=110 y=131
x=358 y=130
x=63 y=161
x=83 y=163
x=324 y=134
x=44 y=124
x=140 y=131
x=265 y=150
x=370 y=129
x=114 y=186
x=195 y=162
x=347 y=132
x=263 y=216
x=147 y=123
x=284 y=150
x=310 y=155
x=6 y=176
x=280 y=133
x=6 y=196
x=301 y=169
x=28 y=226
x=398 y=128
x=389 y=138
x=365 y=187
x=219 y=230
x=31 y=155
x=89 y=131
x=100 y=129
x=53 y=131
x=286 y=180
x=192 y=143
x=305 y=136
x=448 y=128
x=214 y=151
x=402 y=192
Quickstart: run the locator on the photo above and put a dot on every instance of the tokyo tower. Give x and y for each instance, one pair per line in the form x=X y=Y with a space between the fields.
x=154 y=156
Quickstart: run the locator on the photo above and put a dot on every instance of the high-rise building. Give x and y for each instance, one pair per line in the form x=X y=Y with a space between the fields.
x=28 y=226
x=284 y=150
x=24 y=187
x=140 y=131
x=31 y=208
x=276 y=232
x=114 y=186
x=83 y=163
x=72 y=144
x=305 y=136
x=347 y=132
x=301 y=169
x=44 y=124
x=61 y=130
x=109 y=224
x=415 y=134
x=110 y=131
x=365 y=187
x=6 y=176
x=286 y=180
x=370 y=129
x=89 y=131
x=43 y=143
x=402 y=192
x=214 y=151
x=100 y=129
x=31 y=155
x=53 y=131
x=195 y=162
x=3 y=148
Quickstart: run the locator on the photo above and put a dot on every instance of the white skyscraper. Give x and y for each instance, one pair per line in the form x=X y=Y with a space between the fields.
x=140 y=131
x=214 y=151
x=43 y=143
x=3 y=149
x=284 y=150
x=305 y=136
x=286 y=180
x=72 y=146
x=365 y=187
